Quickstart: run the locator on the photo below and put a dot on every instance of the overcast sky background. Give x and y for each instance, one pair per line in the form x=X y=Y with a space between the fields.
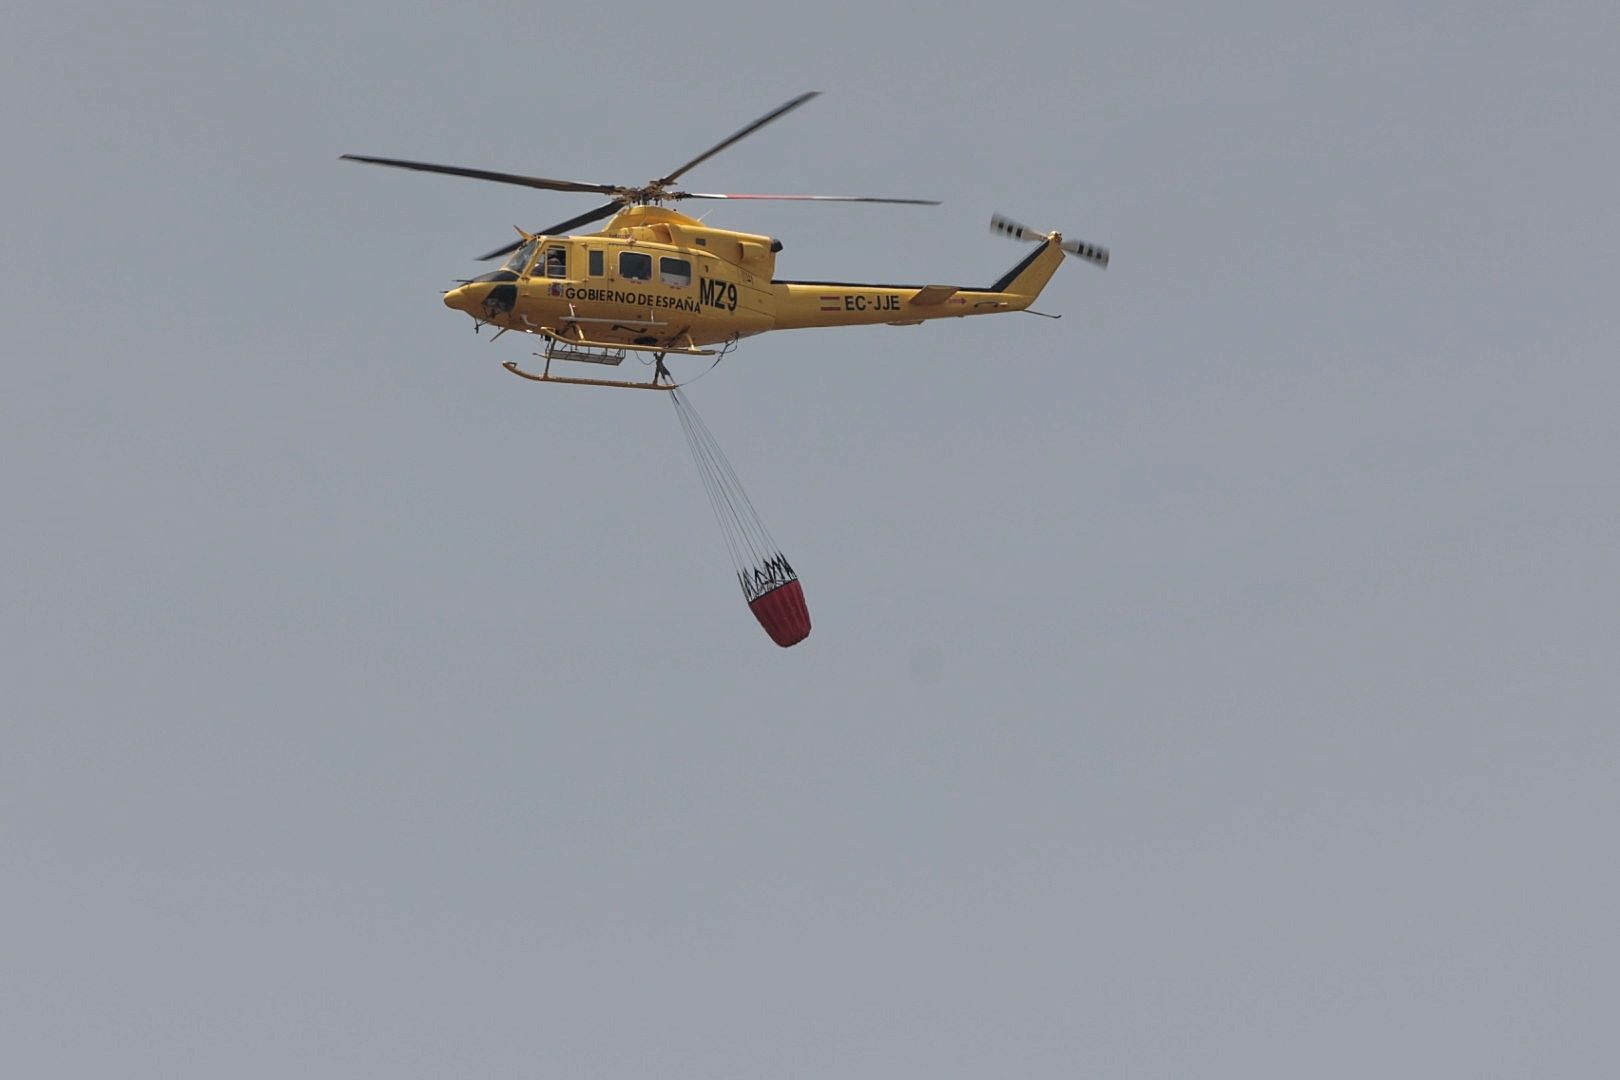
x=1219 y=682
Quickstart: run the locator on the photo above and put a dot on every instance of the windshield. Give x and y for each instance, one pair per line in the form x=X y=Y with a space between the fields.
x=520 y=258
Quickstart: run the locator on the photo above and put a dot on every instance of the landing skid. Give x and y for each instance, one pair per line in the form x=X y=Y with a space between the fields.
x=660 y=374
x=580 y=349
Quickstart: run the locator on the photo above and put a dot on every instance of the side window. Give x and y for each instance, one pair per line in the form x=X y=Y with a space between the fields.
x=555 y=263
x=676 y=272
x=634 y=266
x=595 y=263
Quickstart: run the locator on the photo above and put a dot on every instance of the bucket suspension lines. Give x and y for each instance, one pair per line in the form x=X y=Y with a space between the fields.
x=769 y=583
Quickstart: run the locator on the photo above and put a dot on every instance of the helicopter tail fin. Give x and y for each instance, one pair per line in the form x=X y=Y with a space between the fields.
x=1029 y=277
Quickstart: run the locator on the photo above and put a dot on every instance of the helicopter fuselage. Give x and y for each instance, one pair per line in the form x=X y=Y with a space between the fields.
x=654 y=277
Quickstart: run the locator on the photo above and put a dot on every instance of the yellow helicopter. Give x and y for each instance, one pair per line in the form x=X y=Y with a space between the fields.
x=657 y=281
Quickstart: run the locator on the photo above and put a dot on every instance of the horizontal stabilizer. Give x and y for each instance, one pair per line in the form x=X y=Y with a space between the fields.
x=934 y=294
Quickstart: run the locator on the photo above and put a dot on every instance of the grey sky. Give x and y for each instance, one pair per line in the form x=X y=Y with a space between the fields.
x=1218 y=682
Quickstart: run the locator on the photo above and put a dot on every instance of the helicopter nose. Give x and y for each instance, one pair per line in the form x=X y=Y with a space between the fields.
x=484 y=298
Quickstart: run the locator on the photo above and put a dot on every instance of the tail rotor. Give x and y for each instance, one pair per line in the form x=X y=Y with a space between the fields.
x=1006 y=226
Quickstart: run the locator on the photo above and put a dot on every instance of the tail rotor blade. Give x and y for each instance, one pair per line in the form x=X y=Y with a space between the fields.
x=1006 y=226
x=1089 y=252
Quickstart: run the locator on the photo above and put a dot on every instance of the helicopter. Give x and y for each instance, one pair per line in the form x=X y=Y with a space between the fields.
x=657 y=281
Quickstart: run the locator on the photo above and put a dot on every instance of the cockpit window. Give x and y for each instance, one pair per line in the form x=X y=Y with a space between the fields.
x=520 y=258
x=554 y=263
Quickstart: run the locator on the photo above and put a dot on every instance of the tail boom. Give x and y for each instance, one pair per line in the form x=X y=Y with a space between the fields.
x=801 y=304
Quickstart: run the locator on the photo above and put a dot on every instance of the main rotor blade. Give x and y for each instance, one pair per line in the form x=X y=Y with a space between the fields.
x=801 y=198
x=744 y=133
x=485 y=174
x=500 y=251
x=556 y=230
